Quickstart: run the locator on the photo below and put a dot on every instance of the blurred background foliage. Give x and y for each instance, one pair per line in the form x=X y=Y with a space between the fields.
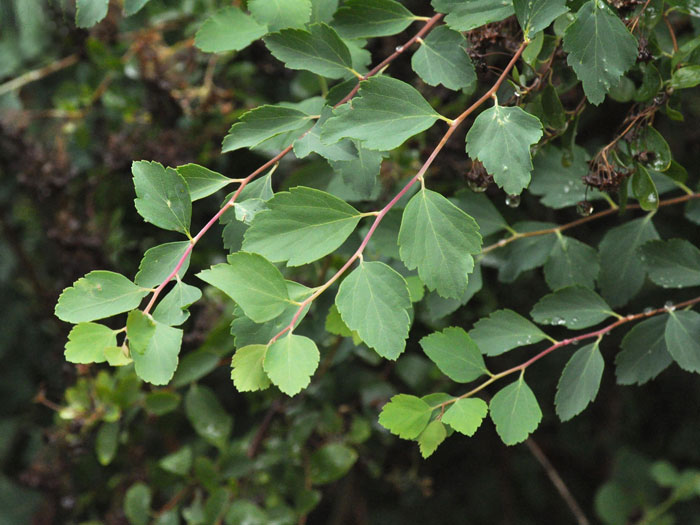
x=91 y=445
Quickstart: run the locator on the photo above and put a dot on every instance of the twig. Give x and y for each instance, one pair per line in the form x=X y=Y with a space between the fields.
x=38 y=74
x=263 y=428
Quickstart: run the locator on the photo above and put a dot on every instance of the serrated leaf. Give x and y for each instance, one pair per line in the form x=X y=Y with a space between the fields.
x=229 y=29
x=579 y=381
x=465 y=415
x=98 y=295
x=526 y=253
x=465 y=16
x=140 y=328
x=132 y=7
x=515 y=412
x=137 y=503
x=311 y=142
x=202 y=181
x=536 y=15
x=106 y=442
x=279 y=14
x=442 y=59
x=361 y=173
x=600 y=49
x=430 y=439
x=322 y=10
x=209 y=419
x=504 y=330
x=439 y=239
x=318 y=49
x=621 y=276
x=575 y=307
x=405 y=415
x=263 y=123
x=373 y=300
x=87 y=343
x=301 y=226
x=644 y=354
x=162 y=196
x=682 y=337
x=290 y=362
x=501 y=138
x=253 y=282
x=247 y=370
x=482 y=210
x=385 y=114
x=172 y=309
x=158 y=262
x=157 y=364
x=331 y=462
x=455 y=354
x=571 y=262
x=672 y=264
x=90 y=12
x=371 y=18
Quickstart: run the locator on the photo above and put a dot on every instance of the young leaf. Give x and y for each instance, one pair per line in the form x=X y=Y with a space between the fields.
x=311 y=142
x=504 y=330
x=406 y=416
x=280 y=14
x=290 y=362
x=319 y=50
x=465 y=415
x=536 y=15
x=682 y=337
x=455 y=354
x=501 y=138
x=465 y=16
x=672 y=264
x=301 y=226
x=157 y=364
x=482 y=210
x=575 y=307
x=247 y=369
x=384 y=115
x=98 y=295
x=438 y=238
x=87 y=343
x=162 y=196
x=600 y=49
x=430 y=439
x=515 y=412
x=90 y=12
x=209 y=419
x=442 y=59
x=229 y=29
x=262 y=123
x=527 y=253
x=644 y=354
x=158 y=262
x=202 y=181
x=579 y=382
x=373 y=301
x=253 y=282
x=172 y=310
x=140 y=329
x=371 y=18
x=571 y=262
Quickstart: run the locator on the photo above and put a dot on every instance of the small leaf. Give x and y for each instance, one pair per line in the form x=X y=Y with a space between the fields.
x=311 y=142
x=682 y=337
x=159 y=262
x=455 y=354
x=162 y=402
x=87 y=343
x=132 y=7
x=330 y=463
x=685 y=77
x=263 y=123
x=405 y=415
x=140 y=328
x=90 y=12
x=501 y=138
x=482 y=210
x=504 y=330
x=290 y=362
x=465 y=415
x=335 y=325
x=575 y=307
x=98 y=295
x=361 y=173
x=371 y=18
x=442 y=59
x=279 y=14
x=179 y=462
x=157 y=364
x=247 y=369
x=107 y=442
x=465 y=16
x=202 y=181
x=515 y=412
x=644 y=189
x=579 y=382
x=672 y=264
x=162 y=196
x=526 y=253
x=209 y=419
x=536 y=15
x=571 y=262
x=172 y=310
x=644 y=354
x=117 y=355
x=229 y=29
x=430 y=439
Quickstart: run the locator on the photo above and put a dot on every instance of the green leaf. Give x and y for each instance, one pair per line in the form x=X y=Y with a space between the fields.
x=322 y=10
x=262 y=123
x=117 y=355
x=571 y=262
x=140 y=329
x=172 y=310
x=158 y=262
x=373 y=301
x=202 y=181
x=247 y=369
x=384 y=115
x=253 y=282
x=179 y=462
x=430 y=439
x=158 y=362
x=90 y=12
x=132 y=7
x=405 y=415
x=455 y=354
x=330 y=463
x=501 y=138
x=575 y=307
x=682 y=337
x=465 y=415
x=360 y=173
x=442 y=59
x=242 y=512
x=290 y=362
x=301 y=226
x=371 y=18
x=644 y=189
x=621 y=275
x=600 y=49
x=504 y=330
x=137 y=504
x=162 y=196
x=319 y=50
x=87 y=343
x=482 y=210
x=334 y=324
x=311 y=142
x=162 y=402
x=279 y=14
x=672 y=264
x=209 y=419
x=644 y=354
x=465 y=16
x=106 y=442
x=579 y=382
x=536 y=15
x=526 y=253
x=229 y=29
x=98 y=295
x=515 y=412
x=438 y=238
x=685 y=77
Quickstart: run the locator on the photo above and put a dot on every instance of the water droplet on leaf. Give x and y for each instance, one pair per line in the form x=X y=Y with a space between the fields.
x=513 y=201
x=584 y=208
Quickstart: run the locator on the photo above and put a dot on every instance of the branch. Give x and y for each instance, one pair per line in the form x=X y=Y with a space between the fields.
x=38 y=74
